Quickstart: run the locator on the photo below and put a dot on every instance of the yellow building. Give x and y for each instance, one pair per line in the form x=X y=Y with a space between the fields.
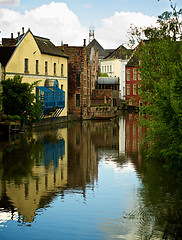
x=35 y=59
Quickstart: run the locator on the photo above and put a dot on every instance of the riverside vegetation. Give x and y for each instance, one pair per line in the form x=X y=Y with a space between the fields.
x=160 y=69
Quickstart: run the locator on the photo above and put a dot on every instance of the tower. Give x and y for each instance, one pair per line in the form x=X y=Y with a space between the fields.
x=91 y=34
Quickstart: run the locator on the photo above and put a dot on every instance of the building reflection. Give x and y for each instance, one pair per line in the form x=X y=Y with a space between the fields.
x=83 y=161
x=47 y=174
x=84 y=141
x=133 y=139
x=39 y=168
x=35 y=168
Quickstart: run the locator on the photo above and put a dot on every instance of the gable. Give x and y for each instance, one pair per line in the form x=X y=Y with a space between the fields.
x=120 y=53
x=102 y=52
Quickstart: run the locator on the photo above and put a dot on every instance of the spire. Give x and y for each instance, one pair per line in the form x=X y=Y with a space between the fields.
x=91 y=34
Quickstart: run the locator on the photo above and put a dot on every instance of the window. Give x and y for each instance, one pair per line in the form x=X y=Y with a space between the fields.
x=139 y=77
x=26 y=190
x=128 y=74
x=77 y=100
x=37 y=66
x=128 y=90
x=134 y=89
x=46 y=66
x=77 y=138
x=110 y=68
x=61 y=69
x=78 y=79
x=135 y=74
x=26 y=65
x=54 y=68
x=37 y=185
x=102 y=69
x=61 y=86
x=107 y=68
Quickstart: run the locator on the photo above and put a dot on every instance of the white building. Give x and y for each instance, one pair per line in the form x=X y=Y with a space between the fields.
x=114 y=66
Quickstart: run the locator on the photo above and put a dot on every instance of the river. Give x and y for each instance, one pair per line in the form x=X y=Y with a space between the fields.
x=86 y=180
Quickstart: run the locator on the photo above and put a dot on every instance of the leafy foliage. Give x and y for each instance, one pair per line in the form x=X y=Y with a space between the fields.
x=18 y=99
x=160 y=56
x=103 y=74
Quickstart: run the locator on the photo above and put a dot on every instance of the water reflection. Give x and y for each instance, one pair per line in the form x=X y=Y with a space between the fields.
x=92 y=174
x=33 y=168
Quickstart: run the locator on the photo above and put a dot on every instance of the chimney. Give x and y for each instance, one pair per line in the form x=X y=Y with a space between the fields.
x=11 y=40
x=18 y=34
x=84 y=42
x=22 y=30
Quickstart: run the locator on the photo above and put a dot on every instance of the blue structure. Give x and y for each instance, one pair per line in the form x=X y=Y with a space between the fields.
x=52 y=151
x=51 y=99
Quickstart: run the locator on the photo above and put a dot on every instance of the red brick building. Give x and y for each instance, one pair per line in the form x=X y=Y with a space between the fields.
x=82 y=77
x=132 y=82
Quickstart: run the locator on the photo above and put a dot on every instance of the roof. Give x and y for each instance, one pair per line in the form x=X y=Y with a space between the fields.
x=133 y=62
x=44 y=89
x=108 y=80
x=5 y=54
x=44 y=44
x=102 y=52
x=47 y=47
x=120 y=53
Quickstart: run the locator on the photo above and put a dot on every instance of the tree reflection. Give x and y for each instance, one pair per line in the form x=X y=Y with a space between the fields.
x=18 y=158
x=160 y=214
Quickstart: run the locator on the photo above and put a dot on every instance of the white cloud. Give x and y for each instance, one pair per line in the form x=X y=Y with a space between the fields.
x=11 y=3
x=115 y=28
x=55 y=21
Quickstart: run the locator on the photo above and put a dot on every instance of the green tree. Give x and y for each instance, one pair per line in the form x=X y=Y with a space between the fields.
x=103 y=74
x=160 y=56
x=18 y=99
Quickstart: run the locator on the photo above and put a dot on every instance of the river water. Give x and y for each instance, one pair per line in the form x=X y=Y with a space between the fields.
x=86 y=180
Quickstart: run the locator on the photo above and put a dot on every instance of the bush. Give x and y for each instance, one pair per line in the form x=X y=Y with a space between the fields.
x=16 y=117
x=9 y=118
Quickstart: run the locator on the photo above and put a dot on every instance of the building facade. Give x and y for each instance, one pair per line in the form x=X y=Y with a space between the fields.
x=82 y=77
x=114 y=66
x=132 y=83
x=35 y=59
x=111 y=83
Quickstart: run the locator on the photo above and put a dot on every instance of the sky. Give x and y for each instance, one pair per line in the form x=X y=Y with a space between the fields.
x=69 y=21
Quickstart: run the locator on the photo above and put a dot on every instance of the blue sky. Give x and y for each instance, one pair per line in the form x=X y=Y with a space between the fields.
x=71 y=19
